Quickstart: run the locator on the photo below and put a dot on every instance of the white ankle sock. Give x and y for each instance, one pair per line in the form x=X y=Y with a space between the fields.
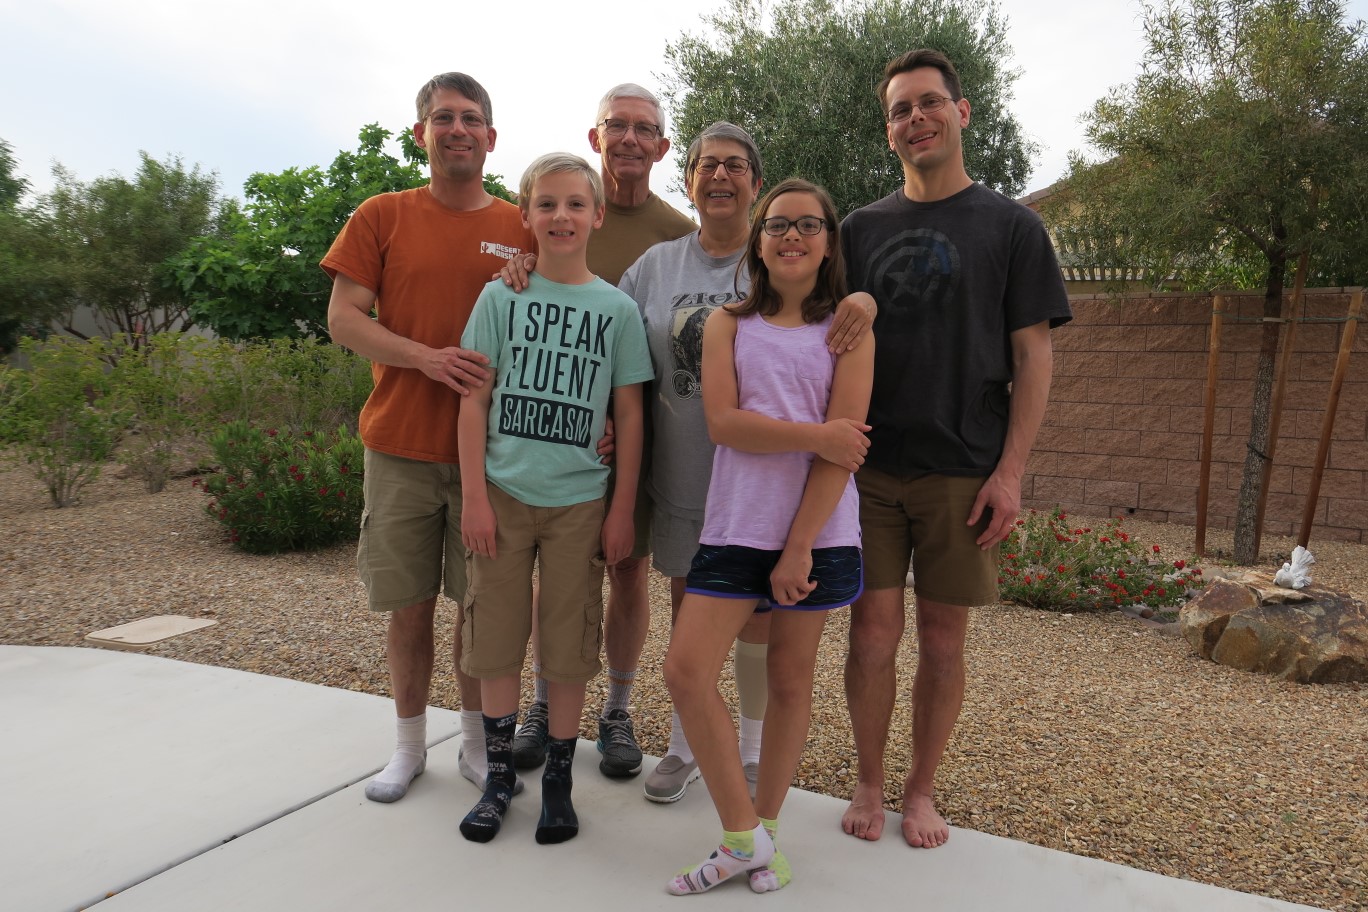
x=679 y=745
x=410 y=757
x=473 y=744
x=751 y=730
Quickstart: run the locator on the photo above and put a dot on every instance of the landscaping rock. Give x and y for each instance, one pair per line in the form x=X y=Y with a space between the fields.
x=1204 y=619
x=1312 y=635
x=1322 y=641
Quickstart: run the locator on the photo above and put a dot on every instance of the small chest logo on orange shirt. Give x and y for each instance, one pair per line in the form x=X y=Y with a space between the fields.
x=499 y=250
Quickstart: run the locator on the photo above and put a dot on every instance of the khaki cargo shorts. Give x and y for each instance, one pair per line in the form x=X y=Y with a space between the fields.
x=496 y=619
x=410 y=546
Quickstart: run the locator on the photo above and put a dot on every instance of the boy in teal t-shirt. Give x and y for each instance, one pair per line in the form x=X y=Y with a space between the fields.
x=533 y=486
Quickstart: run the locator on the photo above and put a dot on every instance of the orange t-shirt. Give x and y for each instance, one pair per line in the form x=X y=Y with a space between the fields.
x=426 y=264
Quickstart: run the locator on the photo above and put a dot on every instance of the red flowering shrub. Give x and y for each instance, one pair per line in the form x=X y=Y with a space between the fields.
x=275 y=491
x=1049 y=563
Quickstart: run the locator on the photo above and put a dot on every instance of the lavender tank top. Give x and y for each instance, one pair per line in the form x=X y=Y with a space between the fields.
x=785 y=373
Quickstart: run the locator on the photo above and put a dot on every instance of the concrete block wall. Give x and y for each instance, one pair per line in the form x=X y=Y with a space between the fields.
x=1122 y=434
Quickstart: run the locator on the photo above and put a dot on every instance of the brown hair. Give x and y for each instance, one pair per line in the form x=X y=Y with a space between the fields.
x=456 y=82
x=830 y=287
x=915 y=60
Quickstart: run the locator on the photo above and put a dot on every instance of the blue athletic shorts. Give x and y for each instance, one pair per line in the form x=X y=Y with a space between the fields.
x=732 y=571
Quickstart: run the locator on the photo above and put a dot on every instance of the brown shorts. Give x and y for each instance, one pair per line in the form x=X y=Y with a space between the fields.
x=496 y=618
x=410 y=546
x=924 y=519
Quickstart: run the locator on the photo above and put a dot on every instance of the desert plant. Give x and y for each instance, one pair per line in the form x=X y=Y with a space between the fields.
x=62 y=418
x=284 y=383
x=1052 y=563
x=275 y=490
x=157 y=387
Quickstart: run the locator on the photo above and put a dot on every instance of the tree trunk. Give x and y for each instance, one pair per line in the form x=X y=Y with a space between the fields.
x=1251 y=481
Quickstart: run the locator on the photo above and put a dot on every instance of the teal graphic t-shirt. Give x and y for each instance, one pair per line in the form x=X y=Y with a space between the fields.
x=556 y=352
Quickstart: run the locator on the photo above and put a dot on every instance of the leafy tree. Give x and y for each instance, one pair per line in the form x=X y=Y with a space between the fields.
x=801 y=77
x=1242 y=145
x=34 y=273
x=115 y=236
x=12 y=185
x=261 y=278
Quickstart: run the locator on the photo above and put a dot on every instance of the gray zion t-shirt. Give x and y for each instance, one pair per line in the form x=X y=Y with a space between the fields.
x=676 y=285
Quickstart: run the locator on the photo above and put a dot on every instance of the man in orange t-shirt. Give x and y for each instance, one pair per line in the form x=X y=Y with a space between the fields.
x=418 y=260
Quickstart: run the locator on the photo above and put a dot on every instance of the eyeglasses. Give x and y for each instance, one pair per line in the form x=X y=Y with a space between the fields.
x=646 y=132
x=808 y=225
x=469 y=119
x=929 y=105
x=736 y=166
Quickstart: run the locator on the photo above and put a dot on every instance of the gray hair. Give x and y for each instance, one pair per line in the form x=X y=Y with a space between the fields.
x=631 y=90
x=456 y=82
x=723 y=130
x=558 y=163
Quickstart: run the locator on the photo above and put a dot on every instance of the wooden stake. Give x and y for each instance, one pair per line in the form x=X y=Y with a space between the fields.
x=1328 y=422
x=1290 y=310
x=1209 y=421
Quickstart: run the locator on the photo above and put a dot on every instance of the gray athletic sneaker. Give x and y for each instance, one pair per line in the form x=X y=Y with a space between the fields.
x=617 y=742
x=669 y=779
x=529 y=744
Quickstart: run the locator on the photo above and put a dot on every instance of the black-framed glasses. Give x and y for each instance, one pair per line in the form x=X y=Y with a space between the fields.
x=469 y=119
x=736 y=166
x=646 y=132
x=808 y=225
x=929 y=105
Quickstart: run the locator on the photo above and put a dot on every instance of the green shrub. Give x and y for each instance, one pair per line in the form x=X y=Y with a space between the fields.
x=14 y=384
x=285 y=383
x=1049 y=563
x=158 y=386
x=61 y=417
x=275 y=490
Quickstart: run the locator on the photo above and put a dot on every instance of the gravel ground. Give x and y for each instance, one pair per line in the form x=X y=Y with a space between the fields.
x=1093 y=733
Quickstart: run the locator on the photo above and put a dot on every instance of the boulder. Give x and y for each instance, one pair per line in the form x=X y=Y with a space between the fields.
x=1204 y=618
x=1323 y=641
x=1317 y=636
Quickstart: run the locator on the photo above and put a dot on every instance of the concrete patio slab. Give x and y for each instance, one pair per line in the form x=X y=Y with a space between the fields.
x=346 y=854
x=119 y=765
x=179 y=787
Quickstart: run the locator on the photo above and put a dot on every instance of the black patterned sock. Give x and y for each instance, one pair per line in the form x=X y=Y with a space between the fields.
x=483 y=822
x=558 y=821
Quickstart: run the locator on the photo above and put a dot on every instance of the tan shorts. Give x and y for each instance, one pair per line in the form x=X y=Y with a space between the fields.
x=410 y=545
x=923 y=519
x=496 y=619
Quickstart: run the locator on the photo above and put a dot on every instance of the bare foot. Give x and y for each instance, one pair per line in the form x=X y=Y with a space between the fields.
x=922 y=826
x=864 y=819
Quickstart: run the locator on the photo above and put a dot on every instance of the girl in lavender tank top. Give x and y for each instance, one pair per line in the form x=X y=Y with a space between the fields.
x=781 y=522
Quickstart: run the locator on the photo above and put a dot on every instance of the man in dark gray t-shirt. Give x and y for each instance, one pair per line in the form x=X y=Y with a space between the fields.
x=968 y=289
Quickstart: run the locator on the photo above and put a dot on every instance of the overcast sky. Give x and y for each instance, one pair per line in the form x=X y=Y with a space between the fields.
x=240 y=86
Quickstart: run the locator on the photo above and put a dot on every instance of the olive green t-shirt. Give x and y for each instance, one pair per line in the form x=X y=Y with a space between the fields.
x=628 y=233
